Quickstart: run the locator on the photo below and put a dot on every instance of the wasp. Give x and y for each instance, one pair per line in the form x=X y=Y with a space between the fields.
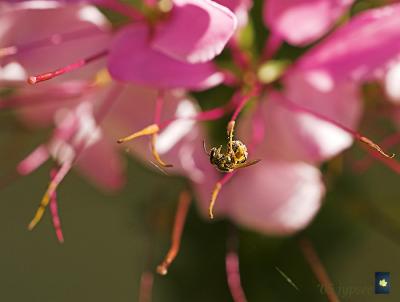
x=234 y=157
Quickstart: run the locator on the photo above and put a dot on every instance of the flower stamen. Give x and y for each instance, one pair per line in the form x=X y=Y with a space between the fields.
x=317 y=267
x=56 y=218
x=233 y=273
x=155 y=153
x=58 y=177
x=78 y=64
x=146 y=285
x=355 y=134
x=215 y=192
x=180 y=217
x=149 y=130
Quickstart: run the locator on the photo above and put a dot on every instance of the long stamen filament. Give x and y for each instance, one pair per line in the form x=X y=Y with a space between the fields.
x=52 y=74
x=146 y=286
x=155 y=153
x=56 y=218
x=317 y=267
x=233 y=276
x=355 y=134
x=180 y=217
x=217 y=189
x=149 y=130
x=49 y=192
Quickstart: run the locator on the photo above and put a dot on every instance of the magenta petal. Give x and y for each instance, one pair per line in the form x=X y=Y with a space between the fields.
x=195 y=31
x=101 y=163
x=296 y=135
x=62 y=35
x=302 y=21
x=239 y=7
x=133 y=60
x=361 y=49
x=280 y=197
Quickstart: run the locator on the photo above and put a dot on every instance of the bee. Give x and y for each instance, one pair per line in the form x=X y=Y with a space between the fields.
x=235 y=156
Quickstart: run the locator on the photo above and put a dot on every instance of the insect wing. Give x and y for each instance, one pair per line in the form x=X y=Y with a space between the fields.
x=246 y=164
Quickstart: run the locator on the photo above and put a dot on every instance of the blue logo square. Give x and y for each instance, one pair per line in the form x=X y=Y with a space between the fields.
x=382 y=282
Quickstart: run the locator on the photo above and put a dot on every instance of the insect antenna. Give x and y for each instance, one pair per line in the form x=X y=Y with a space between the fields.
x=205 y=148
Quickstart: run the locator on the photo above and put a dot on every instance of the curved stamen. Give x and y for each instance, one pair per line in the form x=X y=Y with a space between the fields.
x=354 y=133
x=155 y=153
x=317 y=267
x=56 y=218
x=180 y=217
x=65 y=167
x=217 y=189
x=149 y=130
x=233 y=274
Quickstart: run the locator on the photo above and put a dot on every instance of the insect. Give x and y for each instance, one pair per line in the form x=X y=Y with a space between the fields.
x=235 y=156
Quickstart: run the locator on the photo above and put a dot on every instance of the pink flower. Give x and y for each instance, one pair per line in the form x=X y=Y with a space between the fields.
x=300 y=22
x=175 y=50
x=276 y=196
x=239 y=7
x=352 y=52
x=326 y=80
x=133 y=60
x=194 y=31
x=77 y=136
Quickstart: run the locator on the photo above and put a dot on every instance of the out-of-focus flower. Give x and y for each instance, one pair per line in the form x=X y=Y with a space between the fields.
x=239 y=7
x=276 y=196
x=175 y=50
x=300 y=22
x=62 y=35
x=327 y=79
x=352 y=52
x=133 y=60
x=391 y=82
x=309 y=121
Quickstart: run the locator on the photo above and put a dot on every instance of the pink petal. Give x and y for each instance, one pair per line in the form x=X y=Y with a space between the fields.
x=297 y=135
x=194 y=31
x=279 y=197
x=101 y=164
x=392 y=83
x=35 y=159
x=300 y=22
x=239 y=7
x=341 y=102
x=180 y=143
x=36 y=106
x=132 y=60
x=354 y=52
x=273 y=197
x=76 y=31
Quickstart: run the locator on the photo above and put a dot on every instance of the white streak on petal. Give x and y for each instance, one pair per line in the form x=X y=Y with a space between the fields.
x=13 y=72
x=177 y=129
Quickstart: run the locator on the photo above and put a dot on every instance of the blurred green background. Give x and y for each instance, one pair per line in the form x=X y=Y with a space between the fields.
x=111 y=239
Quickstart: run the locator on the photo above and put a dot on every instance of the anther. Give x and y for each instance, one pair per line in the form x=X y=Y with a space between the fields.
x=155 y=153
x=52 y=74
x=149 y=130
x=375 y=146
